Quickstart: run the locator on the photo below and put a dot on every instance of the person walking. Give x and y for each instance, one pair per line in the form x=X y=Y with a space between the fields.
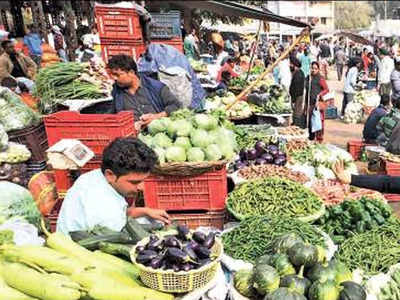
x=355 y=65
x=316 y=88
x=340 y=59
x=296 y=92
x=59 y=43
x=305 y=60
x=34 y=43
x=190 y=46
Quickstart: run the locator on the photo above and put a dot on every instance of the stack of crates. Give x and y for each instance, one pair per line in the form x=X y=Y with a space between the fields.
x=193 y=201
x=165 y=28
x=392 y=169
x=96 y=131
x=120 y=31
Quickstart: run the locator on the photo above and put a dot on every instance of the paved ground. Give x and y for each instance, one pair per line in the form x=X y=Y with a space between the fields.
x=336 y=131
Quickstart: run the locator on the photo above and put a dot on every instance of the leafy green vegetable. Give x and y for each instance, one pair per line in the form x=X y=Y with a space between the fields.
x=213 y=153
x=175 y=154
x=195 y=154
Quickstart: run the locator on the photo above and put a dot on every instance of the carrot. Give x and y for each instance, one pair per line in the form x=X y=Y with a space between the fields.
x=39 y=285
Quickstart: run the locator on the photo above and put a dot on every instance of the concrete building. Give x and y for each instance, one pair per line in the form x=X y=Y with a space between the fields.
x=303 y=11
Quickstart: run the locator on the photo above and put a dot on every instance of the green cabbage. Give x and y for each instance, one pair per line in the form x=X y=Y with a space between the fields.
x=226 y=150
x=243 y=281
x=195 y=154
x=213 y=153
x=175 y=154
x=183 y=127
x=200 y=138
x=147 y=139
x=162 y=140
x=206 y=122
x=160 y=154
x=156 y=126
x=183 y=142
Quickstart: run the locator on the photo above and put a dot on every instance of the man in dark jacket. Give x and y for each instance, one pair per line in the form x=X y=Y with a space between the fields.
x=370 y=132
x=296 y=91
x=149 y=99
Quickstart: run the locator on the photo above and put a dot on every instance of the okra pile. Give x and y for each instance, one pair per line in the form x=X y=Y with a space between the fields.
x=276 y=196
x=354 y=216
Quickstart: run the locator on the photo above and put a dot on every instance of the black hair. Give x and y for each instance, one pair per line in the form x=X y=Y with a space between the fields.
x=315 y=63
x=385 y=100
x=31 y=27
x=295 y=62
x=122 y=62
x=5 y=43
x=9 y=82
x=126 y=155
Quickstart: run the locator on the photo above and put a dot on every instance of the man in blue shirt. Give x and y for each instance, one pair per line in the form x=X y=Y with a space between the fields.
x=370 y=132
x=34 y=43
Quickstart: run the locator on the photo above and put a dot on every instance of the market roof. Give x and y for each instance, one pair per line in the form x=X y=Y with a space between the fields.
x=231 y=8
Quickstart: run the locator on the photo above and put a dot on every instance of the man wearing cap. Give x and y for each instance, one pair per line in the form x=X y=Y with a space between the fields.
x=219 y=45
x=385 y=68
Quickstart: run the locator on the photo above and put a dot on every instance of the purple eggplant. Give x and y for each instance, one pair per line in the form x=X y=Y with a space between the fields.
x=243 y=154
x=156 y=263
x=183 y=232
x=144 y=259
x=272 y=148
x=189 y=251
x=172 y=242
x=150 y=253
x=210 y=240
x=281 y=153
x=140 y=249
x=203 y=252
x=260 y=146
x=203 y=262
x=251 y=154
x=186 y=267
x=280 y=161
x=155 y=245
x=192 y=245
x=178 y=256
x=260 y=161
x=268 y=158
x=199 y=237
x=176 y=268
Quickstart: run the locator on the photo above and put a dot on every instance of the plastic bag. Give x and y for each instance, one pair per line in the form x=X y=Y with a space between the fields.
x=17 y=201
x=3 y=138
x=316 y=122
x=24 y=233
x=178 y=81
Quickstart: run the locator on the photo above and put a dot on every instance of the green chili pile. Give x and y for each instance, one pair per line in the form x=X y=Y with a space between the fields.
x=276 y=196
x=373 y=251
x=254 y=236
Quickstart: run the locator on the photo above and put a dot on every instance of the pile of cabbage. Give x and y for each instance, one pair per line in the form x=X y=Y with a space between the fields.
x=317 y=161
x=190 y=138
x=241 y=109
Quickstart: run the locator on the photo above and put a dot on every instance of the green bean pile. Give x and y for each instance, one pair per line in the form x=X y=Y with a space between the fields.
x=274 y=195
x=254 y=236
x=373 y=251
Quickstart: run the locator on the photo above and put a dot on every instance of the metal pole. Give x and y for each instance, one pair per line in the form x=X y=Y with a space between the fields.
x=254 y=50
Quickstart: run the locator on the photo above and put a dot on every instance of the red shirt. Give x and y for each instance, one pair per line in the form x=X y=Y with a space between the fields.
x=366 y=62
x=226 y=68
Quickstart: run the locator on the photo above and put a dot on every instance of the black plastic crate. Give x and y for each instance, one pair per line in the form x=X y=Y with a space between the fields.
x=331 y=113
x=165 y=25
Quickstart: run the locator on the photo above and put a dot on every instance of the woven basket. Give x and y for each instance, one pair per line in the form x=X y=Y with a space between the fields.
x=188 y=168
x=306 y=219
x=170 y=281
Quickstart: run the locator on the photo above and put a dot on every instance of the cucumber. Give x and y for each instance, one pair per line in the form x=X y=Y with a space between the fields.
x=92 y=243
x=135 y=230
x=116 y=249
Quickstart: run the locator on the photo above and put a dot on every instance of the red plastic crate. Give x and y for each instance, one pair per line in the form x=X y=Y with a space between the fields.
x=205 y=219
x=111 y=48
x=34 y=138
x=392 y=197
x=355 y=147
x=177 y=43
x=207 y=191
x=118 y=23
x=96 y=131
x=392 y=168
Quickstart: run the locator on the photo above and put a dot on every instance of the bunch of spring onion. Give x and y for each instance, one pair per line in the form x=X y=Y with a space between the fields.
x=68 y=81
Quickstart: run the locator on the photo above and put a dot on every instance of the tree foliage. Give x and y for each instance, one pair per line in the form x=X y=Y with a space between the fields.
x=353 y=14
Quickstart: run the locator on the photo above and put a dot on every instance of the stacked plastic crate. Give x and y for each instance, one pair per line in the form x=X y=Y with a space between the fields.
x=120 y=31
x=165 y=28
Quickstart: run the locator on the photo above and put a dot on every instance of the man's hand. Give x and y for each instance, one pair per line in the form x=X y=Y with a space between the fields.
x=158 y=214
x=341 y=173
x=148 y=118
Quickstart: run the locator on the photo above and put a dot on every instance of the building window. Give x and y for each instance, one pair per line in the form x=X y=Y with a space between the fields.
x=323 y=21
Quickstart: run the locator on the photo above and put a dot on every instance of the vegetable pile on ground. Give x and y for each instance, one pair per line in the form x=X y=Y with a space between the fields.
x=183 y=251
x=248 y=135
x=253 y=237
x=373 y=251
x=261 y=154
x=68 y=81
x=274 y=195
x=273 y=101
x=334 y=192
x=318 y=160
x=239 y=110
x=66 y=271
x=354 y=216
x=255 y=172
x=297 y=270
x=190 y=137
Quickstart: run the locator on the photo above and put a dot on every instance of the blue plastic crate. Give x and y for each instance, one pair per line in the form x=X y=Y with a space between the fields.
x=331 y=112
x=165 y=25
